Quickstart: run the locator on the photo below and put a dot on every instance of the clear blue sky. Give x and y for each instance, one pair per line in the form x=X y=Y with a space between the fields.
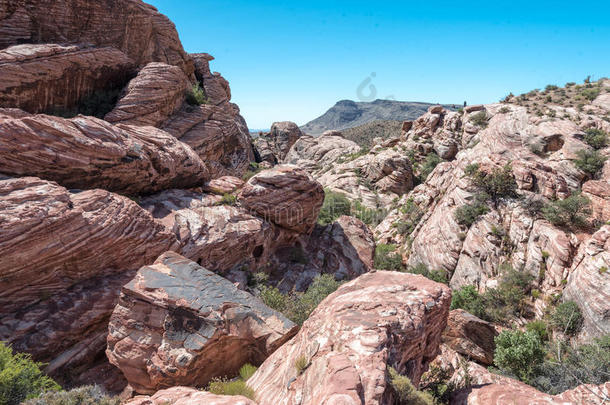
x=290 y=60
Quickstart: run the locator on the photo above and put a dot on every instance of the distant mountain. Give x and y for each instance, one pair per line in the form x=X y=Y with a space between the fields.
x=348 y=114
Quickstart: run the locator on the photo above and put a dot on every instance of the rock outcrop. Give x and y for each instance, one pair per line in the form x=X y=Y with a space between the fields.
x=286 y=196
x=177 y=323
x=273 y=147
x=470 y=336
x=50 y=77
x=343 y=351
x=85 y=153
x=132 y=26
x=188 y=396
x=313 y=154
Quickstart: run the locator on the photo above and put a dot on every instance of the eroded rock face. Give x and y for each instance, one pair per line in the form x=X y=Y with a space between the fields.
x=85 y=152
x=314 y=154
x=274 y=146
x=45 y=77
x=189 y=396
x=196 y=325
x=470 y=336
x=379 y=320
x=132 y=26
x=286 y=196
x=151 y=97
x=216 y=87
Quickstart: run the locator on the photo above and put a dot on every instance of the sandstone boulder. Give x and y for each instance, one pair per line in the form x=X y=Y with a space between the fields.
x=85 y=152
x=286 y=196
x=151 y=97
x=470 y=336
x=216 y=87
x=50 y=77
x=274 y=146
x=188 y=396
x=380 y=320
x=132 y=26
x=177 y=323
x=319 y=153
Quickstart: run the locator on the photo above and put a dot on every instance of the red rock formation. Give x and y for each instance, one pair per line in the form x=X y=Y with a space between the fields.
x=273 y=147
x=152 y=96
x=286 y=196
x=470 y=336
x=379 y=320
x=216 y=87
x=40 y=78
x=85 y=152
x=177 y=323
x=189 y=396
x=132 y=26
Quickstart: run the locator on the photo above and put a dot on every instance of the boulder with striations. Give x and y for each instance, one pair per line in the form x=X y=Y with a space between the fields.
x=188 y=396
x=345 y=348
x=177 y=323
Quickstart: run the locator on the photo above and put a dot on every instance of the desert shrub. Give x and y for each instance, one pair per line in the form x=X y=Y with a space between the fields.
x=590 y=94
x=300 y=306
x=518 y=353
x=223 y=386
x=499 y=183
x=469 y=299
x=504 y=110
x=246 y=371
x=386 y=258
x=551 y=87
x=196 y=95
x=589 y=161
x=440 y=275
x=436 y=382
x=573 y=211
x=253 y=169
x=567 y=318
x=540 y=328
x=300 y=364
x=228 y=199
x=467 y=214
x=432 y=160
x=87 y=395
x=335 y=205
x=411 y=215
x=596 y=138
x=21 y=378
x=369 y=216
x=532 y=205
x=273 y=298
x=353 y=156
x=507 y=300
x=480 y=119
x=405 y=392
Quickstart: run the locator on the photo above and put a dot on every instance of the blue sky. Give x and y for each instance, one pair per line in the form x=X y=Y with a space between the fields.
x=294 y=60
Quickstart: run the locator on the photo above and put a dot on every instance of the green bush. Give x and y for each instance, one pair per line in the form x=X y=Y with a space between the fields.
x=518 y=353
x=590 y=94
x=540 y=328
x=468 y=214
x=551 y=87
x=228 y=199
x=386 y=258
x=21 y=378
x=335 y=205
x=273 y=298
x=253 y=169
x=196 y=95
x=406 y=393
x=572 y=212
x=469 y=299
x=432 y=160
x=369 y=216
x=246 y=371
x=596 y=138
x=480 y=119
x=589 y=161
x=440 y=276
x=300 y=364
x=567 y=318
x=228 y=387
x=411 y=215
x=87 y=395
x=500 y=183
x=507 y=300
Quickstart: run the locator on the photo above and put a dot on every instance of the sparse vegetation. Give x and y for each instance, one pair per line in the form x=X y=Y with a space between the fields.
x=596 y=138
x=335 y=204
x=480 y=119
x=499 y=183
x=440 y=275
x=223 y=386
x=567 y=318
x=518 y=353
x=540 y=328
x=406 y=393
x=411 y=215
x=469 y=299
x=228 y=199
x=196 y=95
x=21 y=378
x=571 y=212
x=386 y=258
x=87 y=395
x=432 y=160
x=468 y=214
x=301 y=364
x=253 y=169
x=589 y=161
x=246 y=371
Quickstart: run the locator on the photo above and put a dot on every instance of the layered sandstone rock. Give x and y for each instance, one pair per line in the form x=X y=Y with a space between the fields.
x=151 y=97
x=216 y=87
x=52 y=239
x=313 y=154
x=379 y=320
x=274 y=146
x=177 y=323
x=46 y=77
x=85 y=152
x=188 y=396
x=286 y=196
x=470 y=336
x=132 y=26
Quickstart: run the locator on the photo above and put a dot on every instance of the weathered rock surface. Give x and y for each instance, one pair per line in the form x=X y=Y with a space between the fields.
x=470 y=336
x=313 y=154
x=151 y=97
x=286 y=196
x=216 y=87
x=274 y=146
x=45 y=77
x=589 y=285
x=223 y=185
x=132 y=26
x=52 y=239
x=379 y=320
x=85 y=152
x=189 y=396
x=177 y=323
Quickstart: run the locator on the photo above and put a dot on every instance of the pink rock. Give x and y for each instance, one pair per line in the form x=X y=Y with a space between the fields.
x=177 y=323
x=188 y=396
x=223 y=185
x=470 y=336
x=378 y=320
